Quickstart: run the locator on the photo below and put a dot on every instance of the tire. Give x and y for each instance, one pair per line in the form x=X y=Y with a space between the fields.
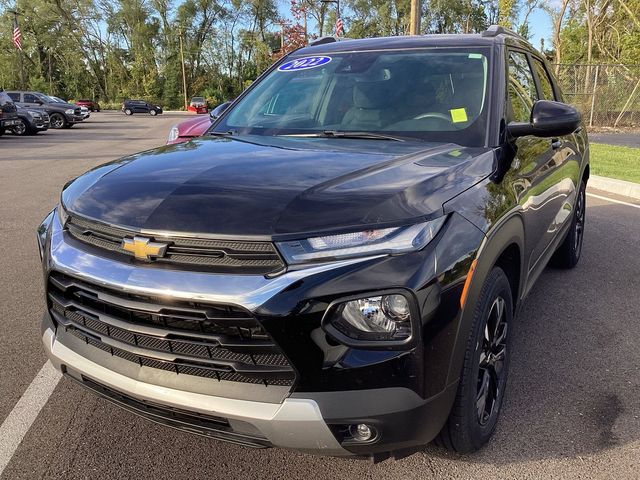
x=69 y=125
x=21 y=129
x=57 y=121
x=568 y=253
x=472 y=421
x=1 y=131
x=128 y=112
x=153 y=113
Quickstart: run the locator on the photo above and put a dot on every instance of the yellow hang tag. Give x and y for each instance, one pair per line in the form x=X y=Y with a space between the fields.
x=458 y=115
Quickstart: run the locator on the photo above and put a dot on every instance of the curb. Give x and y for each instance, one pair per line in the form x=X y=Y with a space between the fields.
x=618 y=187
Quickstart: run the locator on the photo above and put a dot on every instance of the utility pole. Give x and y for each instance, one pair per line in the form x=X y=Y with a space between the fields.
x=184 y=75
x=414 y=25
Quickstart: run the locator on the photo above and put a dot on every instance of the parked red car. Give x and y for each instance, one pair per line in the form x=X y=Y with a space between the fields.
x=185 y=131
x=197 y=105
x=90 y=104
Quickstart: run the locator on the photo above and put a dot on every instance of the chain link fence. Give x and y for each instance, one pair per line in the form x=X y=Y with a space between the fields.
x=607 y=95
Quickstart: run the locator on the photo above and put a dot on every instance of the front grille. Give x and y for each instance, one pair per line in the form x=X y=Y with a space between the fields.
x=221 y=342
x=224 y=256
x=77 y=111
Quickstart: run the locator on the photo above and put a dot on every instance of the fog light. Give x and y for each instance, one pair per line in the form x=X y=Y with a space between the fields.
x=362 y=432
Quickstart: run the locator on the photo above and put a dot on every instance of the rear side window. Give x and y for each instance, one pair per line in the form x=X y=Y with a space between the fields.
x=4 y=98
x=546 y=89
x=15 y=96
x=522 y=88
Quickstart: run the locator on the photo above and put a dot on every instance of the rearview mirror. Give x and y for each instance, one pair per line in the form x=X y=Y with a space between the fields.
x=548 y=119
x=219 y=110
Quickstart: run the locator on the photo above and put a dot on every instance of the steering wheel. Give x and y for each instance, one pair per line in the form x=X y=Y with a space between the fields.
x=438 y=115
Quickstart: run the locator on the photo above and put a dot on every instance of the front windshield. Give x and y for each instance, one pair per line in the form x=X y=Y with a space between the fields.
x=426 y=94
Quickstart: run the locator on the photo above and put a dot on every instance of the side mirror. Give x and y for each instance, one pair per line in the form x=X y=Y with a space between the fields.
x=548 y=119
x=219 y=110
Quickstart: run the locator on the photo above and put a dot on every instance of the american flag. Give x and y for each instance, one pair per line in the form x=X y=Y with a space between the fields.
x=17 y=35
x=339 y=27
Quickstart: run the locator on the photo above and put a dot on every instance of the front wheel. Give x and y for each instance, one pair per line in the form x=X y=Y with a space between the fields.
x=57 y=120
x=153 y=113
x=475 y=411
x=568 y=253
x=128 y=112
x=21 y=129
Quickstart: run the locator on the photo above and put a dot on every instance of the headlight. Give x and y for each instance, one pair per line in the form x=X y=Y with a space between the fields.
x=375 y=320
x=35 y=114
x=174 y=133
x=370 y=242
x=63 y=216
x=42 y=232
x=69 y=111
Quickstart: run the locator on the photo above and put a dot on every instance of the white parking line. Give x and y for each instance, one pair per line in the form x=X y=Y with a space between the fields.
x=19 y=421
x=613 y=200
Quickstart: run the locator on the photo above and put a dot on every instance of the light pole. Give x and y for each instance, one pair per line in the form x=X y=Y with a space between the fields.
x=184 y=75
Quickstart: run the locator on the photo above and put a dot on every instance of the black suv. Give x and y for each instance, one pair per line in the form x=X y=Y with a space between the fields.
x=8 y=113
x=129 y=107
x=336 y=266
x=62 y=115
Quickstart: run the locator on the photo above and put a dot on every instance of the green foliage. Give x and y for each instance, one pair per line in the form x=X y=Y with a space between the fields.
x=111 y=50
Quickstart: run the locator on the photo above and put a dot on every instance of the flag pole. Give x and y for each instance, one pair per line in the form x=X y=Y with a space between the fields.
x=20 y=52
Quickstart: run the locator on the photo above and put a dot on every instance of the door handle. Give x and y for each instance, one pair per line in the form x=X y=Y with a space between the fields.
x=555 y=143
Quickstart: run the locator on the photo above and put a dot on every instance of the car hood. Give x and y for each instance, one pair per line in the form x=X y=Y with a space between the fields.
x=277 y=187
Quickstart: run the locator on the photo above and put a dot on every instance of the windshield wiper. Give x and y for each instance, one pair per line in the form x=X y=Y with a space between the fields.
x=221 y=134
x=344 y=134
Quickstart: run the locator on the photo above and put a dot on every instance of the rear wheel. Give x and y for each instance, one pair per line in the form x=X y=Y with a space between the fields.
x=57 y=120
x=153 y=113
x=21 y=129
x=128 y=111
x=568 y=253
x=475 y=412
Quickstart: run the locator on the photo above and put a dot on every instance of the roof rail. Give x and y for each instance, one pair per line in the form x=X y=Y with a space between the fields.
x=495 y=30
x=323 y=40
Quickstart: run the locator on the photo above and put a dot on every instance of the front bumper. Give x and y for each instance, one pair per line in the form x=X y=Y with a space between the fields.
x=295 y=423
x=404 y=394
x=9 y=123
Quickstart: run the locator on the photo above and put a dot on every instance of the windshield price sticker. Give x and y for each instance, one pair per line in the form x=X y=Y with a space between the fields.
x=303 y=63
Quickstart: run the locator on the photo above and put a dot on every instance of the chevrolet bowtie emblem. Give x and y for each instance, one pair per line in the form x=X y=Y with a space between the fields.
x=143 y=248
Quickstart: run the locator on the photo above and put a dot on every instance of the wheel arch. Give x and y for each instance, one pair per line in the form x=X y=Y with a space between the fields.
x=503 y=247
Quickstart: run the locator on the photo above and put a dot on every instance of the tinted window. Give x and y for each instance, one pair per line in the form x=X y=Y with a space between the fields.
x=4 y=98
x=15 y=96
x=427 y=94
x=546 y=90
x=522 y=88
x=30 y=98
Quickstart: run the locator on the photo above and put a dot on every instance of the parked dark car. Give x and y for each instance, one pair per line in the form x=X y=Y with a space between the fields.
x=129 y=107
x=32 y=121
x=62 y=115
x=92 y=105
x=336 y=265
x=8 y=113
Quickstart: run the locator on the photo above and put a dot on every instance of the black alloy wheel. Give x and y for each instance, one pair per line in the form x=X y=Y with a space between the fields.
x=491 y=363
x=21 y=128
x=483 y=379
x=568 y=253
x=57 y=120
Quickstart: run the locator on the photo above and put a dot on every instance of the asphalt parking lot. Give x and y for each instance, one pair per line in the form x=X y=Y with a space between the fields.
x=573 y=402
